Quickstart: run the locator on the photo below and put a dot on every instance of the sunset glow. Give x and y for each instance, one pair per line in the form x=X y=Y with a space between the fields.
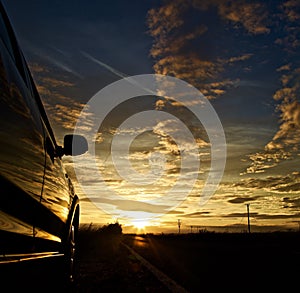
x=140 y=225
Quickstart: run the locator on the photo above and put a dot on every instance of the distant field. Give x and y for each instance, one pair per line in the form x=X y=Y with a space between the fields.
x=216 y=261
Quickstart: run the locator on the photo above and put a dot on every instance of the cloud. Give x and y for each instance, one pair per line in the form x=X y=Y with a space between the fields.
x=242 y=199
x=164 y=19
x=285 y=67
x=187 y=52
x=292 y=202
x=63 y=66
x=264 y=160
x=196 y=214
x=289 y=110
x=168 y=128
x=262 y=216
x=133 y=205
x=37 y=68
x=289 y=18
x=285 y=142
x=63 y=110
x=106 y=66
x=171 y=49
x=52 y=58
x=239 y=58
x=160 y=149
x=291 y=10
x=279 y=184
x=251 y=15
x=53 y=83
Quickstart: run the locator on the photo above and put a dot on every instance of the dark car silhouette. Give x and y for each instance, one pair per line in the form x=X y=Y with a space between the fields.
x=39 y=210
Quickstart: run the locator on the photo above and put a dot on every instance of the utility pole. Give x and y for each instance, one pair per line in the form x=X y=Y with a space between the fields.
x=248 y=204
x=179 y=224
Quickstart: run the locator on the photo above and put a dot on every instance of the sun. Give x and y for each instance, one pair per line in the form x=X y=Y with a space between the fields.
x=140 y=224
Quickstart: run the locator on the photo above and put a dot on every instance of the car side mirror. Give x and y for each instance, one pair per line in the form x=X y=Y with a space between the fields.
x=75 y=145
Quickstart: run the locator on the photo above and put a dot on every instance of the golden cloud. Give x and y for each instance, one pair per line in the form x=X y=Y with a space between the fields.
x=288 y=183
x=251 y=15
x=174 y=49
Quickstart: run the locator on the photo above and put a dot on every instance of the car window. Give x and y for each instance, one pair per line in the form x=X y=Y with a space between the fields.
x=8 y=38
x=4 y=35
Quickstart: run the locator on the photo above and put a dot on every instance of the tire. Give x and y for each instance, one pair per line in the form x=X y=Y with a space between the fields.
x=70 y=255
x=70 y=275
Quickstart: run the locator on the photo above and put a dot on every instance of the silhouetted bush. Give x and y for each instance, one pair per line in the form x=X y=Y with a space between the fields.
x=115 y=229
x=93 y=240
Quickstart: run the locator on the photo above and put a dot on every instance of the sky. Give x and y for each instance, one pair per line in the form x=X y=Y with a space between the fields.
x=152 y=155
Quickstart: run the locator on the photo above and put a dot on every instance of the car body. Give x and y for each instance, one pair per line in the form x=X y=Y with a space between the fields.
x=40 y=211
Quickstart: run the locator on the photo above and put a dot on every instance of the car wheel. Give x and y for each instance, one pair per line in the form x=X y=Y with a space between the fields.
x=70 y=274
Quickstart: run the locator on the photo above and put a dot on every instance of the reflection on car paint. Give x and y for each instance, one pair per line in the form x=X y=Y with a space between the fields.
x=56 y=194
x=12 y=224
x=38 y=206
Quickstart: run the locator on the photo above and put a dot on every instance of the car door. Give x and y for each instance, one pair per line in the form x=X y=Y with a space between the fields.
x=57 y=189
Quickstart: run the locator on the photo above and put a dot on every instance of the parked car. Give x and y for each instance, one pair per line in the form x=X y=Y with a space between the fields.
x=40 y=211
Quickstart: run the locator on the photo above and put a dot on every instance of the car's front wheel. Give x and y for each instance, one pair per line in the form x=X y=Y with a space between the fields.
x=70 y=273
